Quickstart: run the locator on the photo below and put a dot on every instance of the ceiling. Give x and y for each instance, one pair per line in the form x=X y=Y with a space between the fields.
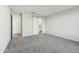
x=43 y=10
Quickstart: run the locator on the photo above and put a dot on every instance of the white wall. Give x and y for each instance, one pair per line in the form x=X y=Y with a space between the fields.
x=27 y=24
x=64 y=24
x=16 y=18
x=5 y=28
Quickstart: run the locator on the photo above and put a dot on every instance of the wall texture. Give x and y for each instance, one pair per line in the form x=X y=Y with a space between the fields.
x=64 y=24
x=5 y=28
x=26 y=24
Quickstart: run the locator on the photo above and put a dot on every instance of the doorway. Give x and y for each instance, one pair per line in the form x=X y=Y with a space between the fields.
x=16 y=29
x=37 y=25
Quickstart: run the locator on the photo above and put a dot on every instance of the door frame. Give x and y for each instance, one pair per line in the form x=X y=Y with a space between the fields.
x=11 y=26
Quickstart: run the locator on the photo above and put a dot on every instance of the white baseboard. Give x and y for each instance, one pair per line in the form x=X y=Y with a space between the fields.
x=72 y=37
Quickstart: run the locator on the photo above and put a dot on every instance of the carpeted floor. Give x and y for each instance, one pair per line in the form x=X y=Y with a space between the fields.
x=42 y=44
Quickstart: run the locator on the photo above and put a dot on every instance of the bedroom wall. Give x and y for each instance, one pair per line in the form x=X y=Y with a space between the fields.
x=5 y=28
x=26 y=24
x=64 y=24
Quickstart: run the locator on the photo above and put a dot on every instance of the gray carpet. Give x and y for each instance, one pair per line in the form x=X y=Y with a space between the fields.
x=42 y=44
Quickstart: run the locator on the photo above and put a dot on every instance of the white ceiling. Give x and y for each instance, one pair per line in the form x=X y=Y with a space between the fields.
x=43 y=10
